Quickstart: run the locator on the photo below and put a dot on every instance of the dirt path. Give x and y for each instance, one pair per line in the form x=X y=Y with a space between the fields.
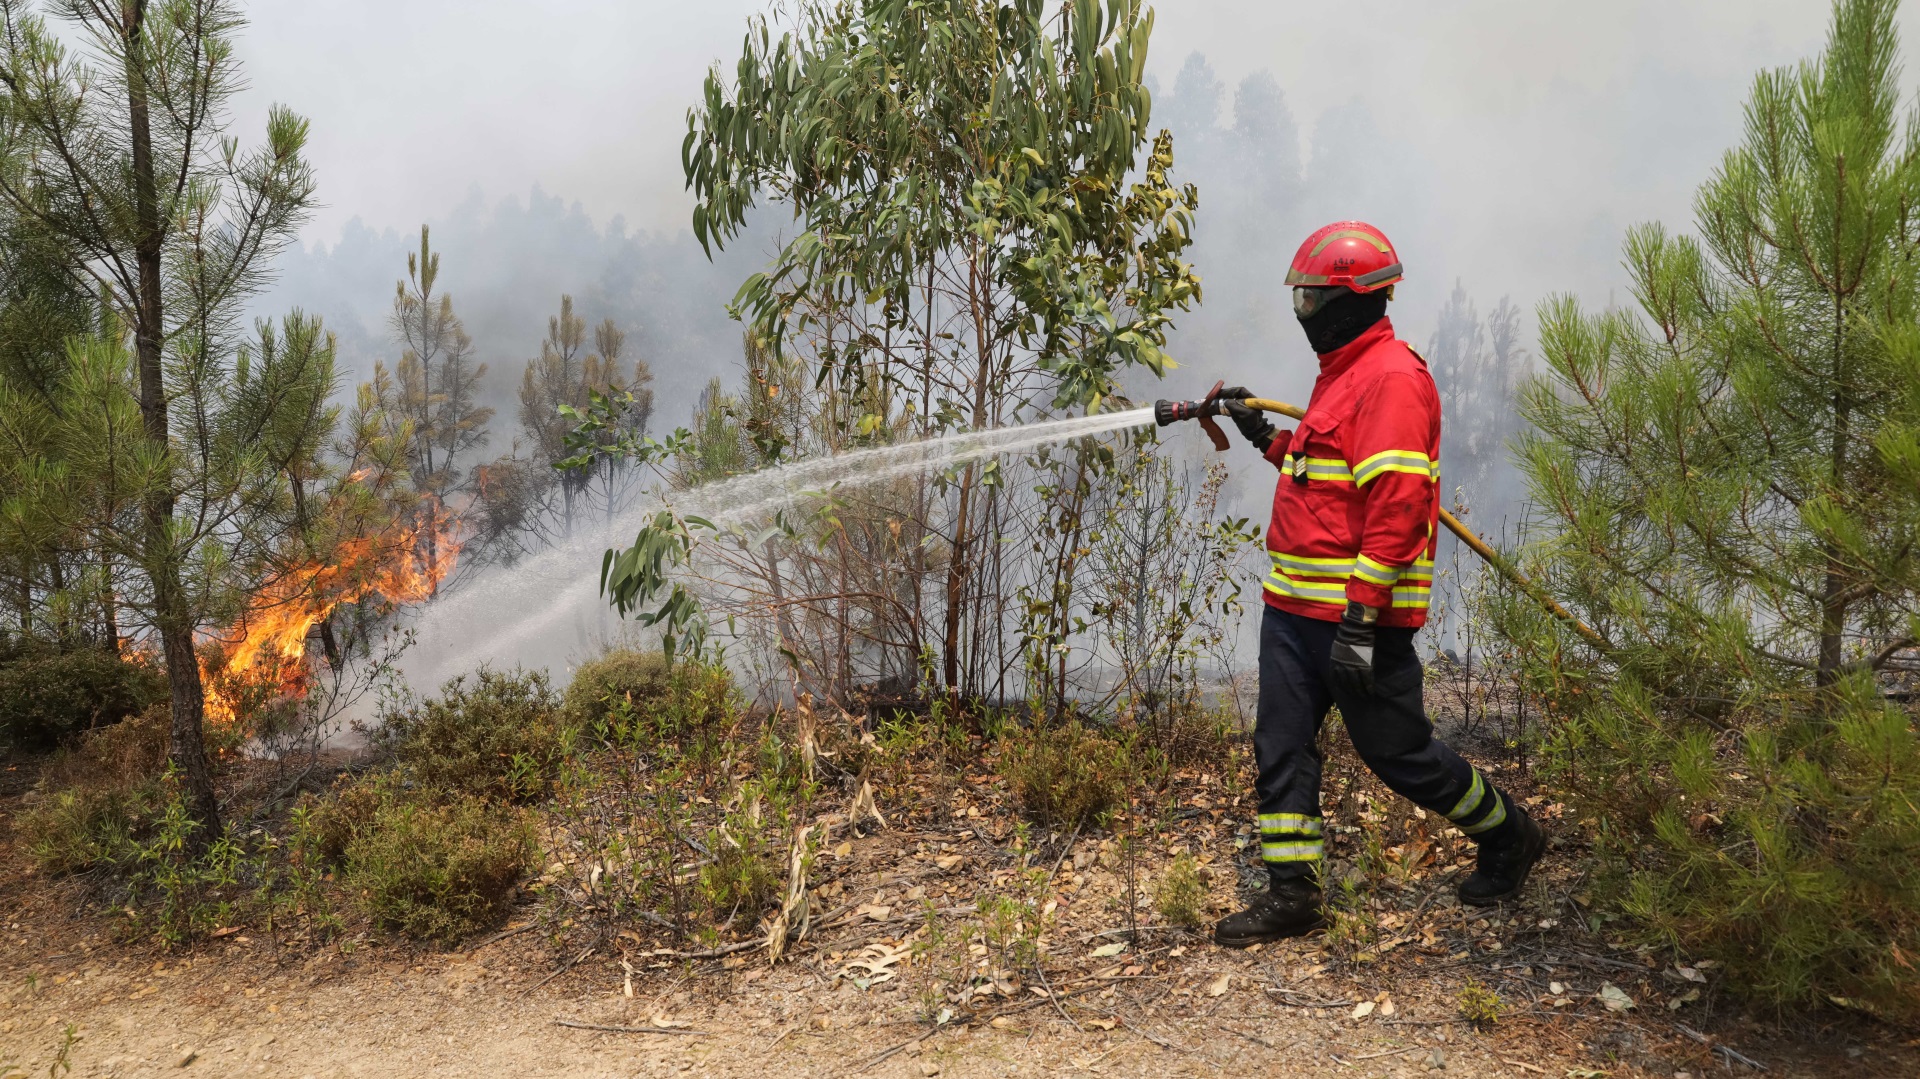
x=470 y=1014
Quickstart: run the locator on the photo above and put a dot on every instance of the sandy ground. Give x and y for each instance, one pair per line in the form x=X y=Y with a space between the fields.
x=241 y=1008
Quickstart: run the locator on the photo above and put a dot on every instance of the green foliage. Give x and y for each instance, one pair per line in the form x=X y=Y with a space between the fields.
x=640 y=680
x=332 y=823
x=438 y=871
x=1180 y=895
x=498 y=737
x=1478 y=1004
x=1729 y=476
x=188 y=886
x=1003 y=133
x=83 y=828
x=49 y=696
x=697 y=712
x=1065 y=774
x=747 y=854
x=175 y=468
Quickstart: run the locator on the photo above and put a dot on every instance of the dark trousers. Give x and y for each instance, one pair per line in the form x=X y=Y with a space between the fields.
x=1389 y=728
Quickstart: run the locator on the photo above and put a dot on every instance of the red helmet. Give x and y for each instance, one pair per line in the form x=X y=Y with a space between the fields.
x=1350 y=253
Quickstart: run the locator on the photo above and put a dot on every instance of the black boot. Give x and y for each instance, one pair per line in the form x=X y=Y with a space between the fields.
x=1291 y=908
x=1505 y=860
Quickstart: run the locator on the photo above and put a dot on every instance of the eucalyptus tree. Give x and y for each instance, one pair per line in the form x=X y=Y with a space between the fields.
x=1731 y=473
x=114 y=142
x=985 y=230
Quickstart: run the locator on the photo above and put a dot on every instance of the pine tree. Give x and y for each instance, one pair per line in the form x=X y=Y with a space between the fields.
x=434 y=392
x=438 y=381
x=1730 y=470
x=565 y=374
x=120 y=155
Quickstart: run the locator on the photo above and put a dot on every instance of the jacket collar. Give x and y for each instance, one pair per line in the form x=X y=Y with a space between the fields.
x=1340 y=359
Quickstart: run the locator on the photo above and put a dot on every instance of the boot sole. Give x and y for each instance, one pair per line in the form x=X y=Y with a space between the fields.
x=1248 y=940
x=1535 y=851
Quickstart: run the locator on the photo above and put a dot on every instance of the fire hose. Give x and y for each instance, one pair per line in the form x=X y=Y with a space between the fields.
x=1205 y=409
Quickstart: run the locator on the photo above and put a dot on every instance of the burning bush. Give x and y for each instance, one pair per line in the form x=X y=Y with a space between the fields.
x=498 y=737
x=49 y=696
x=438 y=871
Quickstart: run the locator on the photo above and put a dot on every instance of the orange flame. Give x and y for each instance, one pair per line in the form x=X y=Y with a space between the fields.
x=262 y=655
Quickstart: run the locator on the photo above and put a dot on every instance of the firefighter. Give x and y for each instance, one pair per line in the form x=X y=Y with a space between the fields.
x=1352 y=546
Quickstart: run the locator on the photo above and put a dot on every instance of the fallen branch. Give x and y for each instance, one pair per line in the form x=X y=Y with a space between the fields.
x=1310 y=1003
x=579 y=1025
x=564 y=967
x=1141 y=929
x=1729 y=1052
x=887 y=1054
x=1389 y=1053
x=511 y=931
x=1057 y=1006
x=1149 y=1035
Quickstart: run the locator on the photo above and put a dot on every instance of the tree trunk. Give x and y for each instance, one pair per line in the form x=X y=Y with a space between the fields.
x=172 y=612
x=1833 y=592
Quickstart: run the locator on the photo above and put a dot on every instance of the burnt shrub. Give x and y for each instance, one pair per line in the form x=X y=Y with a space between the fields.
x=498 y=736
x=50 y=696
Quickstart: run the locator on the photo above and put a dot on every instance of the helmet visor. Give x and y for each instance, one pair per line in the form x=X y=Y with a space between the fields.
x=1309 y=301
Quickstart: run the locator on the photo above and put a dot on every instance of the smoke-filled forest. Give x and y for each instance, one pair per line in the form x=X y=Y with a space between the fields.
x=1023 y=537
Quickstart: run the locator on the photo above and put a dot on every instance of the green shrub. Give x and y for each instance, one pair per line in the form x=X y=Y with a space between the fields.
x=331 y=823
x=1065 y=774
x=182 y=888
x=747 y=854
x=1180 y=895
x=48 y=697
x=81 y=828
x=498 y=737
x=439 y=871
x=1478 y=1004
x=637 y=679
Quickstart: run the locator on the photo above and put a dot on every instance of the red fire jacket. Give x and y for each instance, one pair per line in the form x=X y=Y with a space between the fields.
x=1355 y=511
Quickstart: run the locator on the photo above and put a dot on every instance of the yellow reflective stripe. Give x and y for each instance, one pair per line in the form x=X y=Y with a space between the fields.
x=1469 y=801
x=1350 y=234
x=1494 y=819
x=1297 y=823
x=1292 y=852
x=1331 y=469
x=1295 y=565
x=1412 y=461
x=1378 y=573
x=1280 y=584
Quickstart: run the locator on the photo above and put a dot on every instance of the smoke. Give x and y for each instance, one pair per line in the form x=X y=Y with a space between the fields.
x=1505 y=146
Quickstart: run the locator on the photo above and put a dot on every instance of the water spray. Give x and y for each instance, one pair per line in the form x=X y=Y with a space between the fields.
x=1205 y=409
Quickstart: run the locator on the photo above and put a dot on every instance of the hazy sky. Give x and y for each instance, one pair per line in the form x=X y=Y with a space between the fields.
x=1535 y=130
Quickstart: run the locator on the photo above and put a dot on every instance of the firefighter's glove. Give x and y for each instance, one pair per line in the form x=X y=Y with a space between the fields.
x=1353 y=650
x=1251 y=421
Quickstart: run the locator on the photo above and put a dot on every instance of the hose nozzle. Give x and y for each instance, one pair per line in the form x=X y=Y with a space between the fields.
x=1204 y=410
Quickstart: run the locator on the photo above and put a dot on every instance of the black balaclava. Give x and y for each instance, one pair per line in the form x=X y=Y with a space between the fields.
x=1344 y=318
